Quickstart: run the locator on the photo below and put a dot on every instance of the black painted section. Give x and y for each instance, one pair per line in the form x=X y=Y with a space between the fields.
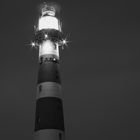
x=49 y=114
x=46 y=59
x=53 y=35
x=49 y=72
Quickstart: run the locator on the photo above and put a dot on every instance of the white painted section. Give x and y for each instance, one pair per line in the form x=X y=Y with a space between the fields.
x=48 y=47
x=49 y=89
x=48 y=22
x=49 y=134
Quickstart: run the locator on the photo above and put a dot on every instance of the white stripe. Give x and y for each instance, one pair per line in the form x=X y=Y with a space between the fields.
x=48 y=89
x=49 y=134
x=48 y=47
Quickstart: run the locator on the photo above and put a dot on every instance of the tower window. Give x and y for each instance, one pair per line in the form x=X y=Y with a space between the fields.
x=40 y=88
x=60 y=136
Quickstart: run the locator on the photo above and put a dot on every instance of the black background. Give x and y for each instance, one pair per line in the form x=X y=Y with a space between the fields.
x=100 y=69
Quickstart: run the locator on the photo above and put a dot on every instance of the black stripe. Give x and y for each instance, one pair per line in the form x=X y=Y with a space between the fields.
x=49 y=114
x=49 y=72
x=44 y=59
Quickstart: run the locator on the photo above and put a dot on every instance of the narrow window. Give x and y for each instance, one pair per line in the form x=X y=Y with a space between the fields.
x=60 y=136
x=40 y=88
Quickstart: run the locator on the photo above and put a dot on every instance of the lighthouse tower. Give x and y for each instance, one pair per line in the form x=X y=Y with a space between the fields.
x=49 y=120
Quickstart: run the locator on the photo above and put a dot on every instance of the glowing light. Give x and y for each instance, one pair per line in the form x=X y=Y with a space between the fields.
x=64 y=42
x=48 y=22
x=33 y=44
x=46 y=36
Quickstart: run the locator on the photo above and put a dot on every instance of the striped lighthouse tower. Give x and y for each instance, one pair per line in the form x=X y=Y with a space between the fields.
x=49 y=120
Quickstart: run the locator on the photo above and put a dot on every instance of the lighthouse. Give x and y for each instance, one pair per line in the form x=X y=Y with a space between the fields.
x=49 y=119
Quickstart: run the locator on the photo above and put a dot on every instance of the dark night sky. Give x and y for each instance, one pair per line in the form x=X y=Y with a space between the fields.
x=100 y=69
